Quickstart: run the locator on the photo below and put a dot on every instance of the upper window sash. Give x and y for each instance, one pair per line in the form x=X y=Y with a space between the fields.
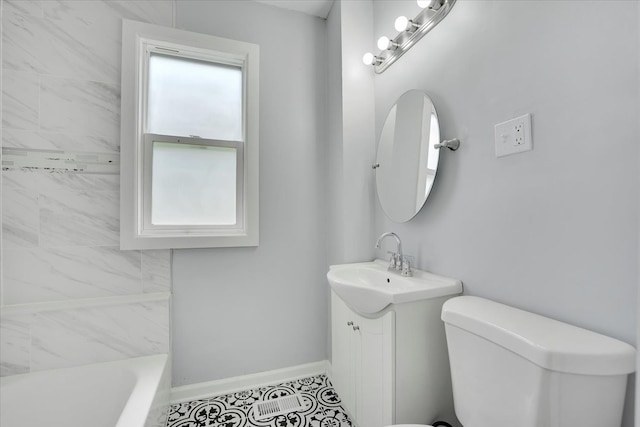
x=150 y=47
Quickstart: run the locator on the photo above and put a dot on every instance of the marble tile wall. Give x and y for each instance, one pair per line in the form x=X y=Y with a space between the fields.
x=60 y=231
x=38 y=339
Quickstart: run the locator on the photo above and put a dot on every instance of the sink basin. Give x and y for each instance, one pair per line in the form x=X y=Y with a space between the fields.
x=368 y=287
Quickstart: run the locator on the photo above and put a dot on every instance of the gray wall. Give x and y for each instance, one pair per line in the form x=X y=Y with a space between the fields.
x=355 y=241
x=335 y=141
x=351 y=124
x=637 y=405
x=554 y=230
x=244 y=310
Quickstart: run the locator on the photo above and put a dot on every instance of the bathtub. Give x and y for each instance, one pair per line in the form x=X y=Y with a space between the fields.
x=126 y=393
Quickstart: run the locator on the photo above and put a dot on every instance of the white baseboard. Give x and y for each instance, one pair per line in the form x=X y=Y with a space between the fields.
x=329 y=370
x=245 y=382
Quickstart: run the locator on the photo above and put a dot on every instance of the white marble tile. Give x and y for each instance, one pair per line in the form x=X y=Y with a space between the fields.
x=80 y=39
x=95 y=12
x=76 y=210
x=83 y=107
x=23 y=7
x=19 y=210
x=156 y=271
x=51 y=184
x=15 y=342
x=99 y=334
x=27 y=45
x=66 y=48
x=42 y=140
x=40 y=275
x=19 y=100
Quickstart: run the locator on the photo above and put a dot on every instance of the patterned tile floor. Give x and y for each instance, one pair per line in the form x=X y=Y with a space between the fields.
x=322 y=407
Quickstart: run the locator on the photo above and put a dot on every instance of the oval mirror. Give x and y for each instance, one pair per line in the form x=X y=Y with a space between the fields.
x=407 y=161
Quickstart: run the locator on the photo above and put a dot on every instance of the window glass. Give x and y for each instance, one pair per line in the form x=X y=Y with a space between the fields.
x=193 y=184
x=190 y=146
x=188 y=97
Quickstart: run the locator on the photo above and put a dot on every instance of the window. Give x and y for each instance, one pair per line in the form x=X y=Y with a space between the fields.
x=189 y=140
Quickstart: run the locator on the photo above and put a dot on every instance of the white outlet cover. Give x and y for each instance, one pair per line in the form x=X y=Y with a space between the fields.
x=513 y=136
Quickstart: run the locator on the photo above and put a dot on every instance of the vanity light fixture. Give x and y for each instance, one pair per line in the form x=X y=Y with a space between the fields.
x=384 y=43
x=370 y=59
x=405 y=24
x=429 y=3
x=410 y=31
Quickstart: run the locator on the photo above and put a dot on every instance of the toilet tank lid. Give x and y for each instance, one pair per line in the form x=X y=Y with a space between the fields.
x=546 y=342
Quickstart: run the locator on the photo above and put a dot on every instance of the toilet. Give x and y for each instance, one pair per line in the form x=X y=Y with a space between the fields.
x=511 y=368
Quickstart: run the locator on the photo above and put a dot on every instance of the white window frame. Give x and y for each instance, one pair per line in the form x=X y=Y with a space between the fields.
x=139 y=41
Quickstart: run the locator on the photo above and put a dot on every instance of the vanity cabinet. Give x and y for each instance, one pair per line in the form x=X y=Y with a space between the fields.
x=391 y=367
x=362 y=364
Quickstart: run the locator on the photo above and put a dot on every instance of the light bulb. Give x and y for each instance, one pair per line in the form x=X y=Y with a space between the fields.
x=384 y=43
x=368 y=58
x=402 y=23
x=423 y=3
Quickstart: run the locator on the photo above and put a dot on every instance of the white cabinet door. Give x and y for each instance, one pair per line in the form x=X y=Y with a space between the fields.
x=363 y=364
x=374 y=371
x=342 y=363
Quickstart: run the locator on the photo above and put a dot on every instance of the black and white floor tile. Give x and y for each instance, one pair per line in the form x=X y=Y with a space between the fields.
x=322 y=407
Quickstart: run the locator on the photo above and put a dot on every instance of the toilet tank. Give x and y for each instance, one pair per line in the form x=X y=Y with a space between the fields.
x=510 y=367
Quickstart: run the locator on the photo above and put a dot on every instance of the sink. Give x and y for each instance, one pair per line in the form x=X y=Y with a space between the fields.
x=368 y=288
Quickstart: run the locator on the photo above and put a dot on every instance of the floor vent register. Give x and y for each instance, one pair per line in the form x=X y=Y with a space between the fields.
x=282 y=405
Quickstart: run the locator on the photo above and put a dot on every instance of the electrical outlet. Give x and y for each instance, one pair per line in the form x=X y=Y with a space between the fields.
x=519 y=134
x=513 y=136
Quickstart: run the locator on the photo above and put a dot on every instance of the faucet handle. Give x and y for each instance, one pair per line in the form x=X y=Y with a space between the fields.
x=393 y=260
x=406 y=261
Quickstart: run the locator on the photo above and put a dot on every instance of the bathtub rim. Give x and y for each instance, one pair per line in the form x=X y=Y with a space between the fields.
x=148 y=372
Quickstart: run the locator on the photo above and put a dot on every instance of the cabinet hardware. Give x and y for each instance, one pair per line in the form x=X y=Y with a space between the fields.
x=349 y=323
x=356 y=328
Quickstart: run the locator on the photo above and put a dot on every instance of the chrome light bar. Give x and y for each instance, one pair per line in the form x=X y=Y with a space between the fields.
x=410 y=31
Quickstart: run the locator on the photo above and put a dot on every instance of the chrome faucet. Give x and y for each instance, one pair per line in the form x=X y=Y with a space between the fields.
x=397 y=261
